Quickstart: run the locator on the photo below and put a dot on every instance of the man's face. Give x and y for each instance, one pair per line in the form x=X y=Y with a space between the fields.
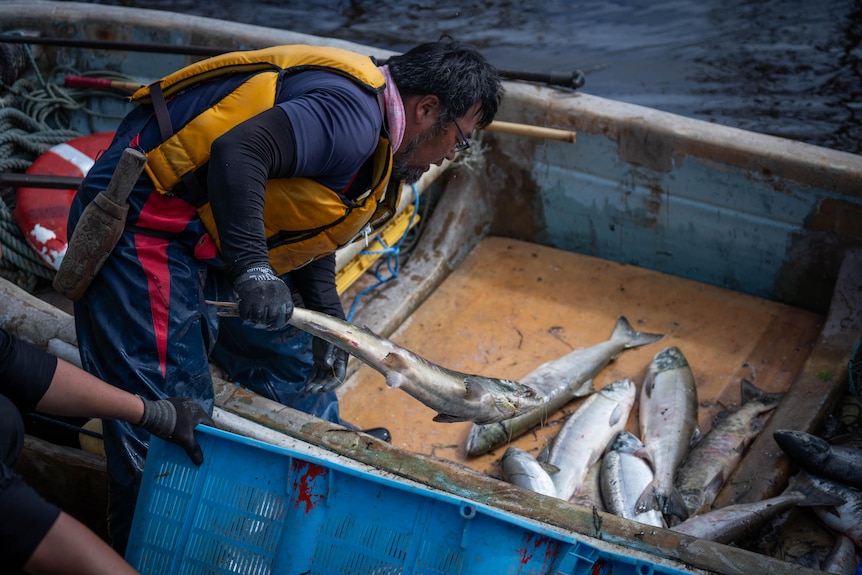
x=432 y=146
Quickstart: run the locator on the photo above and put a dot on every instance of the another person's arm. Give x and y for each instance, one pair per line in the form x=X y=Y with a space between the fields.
x=34 y=379
x=75 y=392
x=69 y=547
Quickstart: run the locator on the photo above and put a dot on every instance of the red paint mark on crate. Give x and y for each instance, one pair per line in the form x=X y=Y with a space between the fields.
x=552 y=550
x=306 y=483
x=527 y=554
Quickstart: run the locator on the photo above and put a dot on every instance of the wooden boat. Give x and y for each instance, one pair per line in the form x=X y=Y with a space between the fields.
x=745 y=250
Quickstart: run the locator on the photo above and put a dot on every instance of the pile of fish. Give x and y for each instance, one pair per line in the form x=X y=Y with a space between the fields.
x=828 y=470
x=669 y=477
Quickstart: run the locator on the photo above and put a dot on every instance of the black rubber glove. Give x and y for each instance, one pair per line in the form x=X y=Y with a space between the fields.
x=265 y=300
x=174 y=419
x=329 y=369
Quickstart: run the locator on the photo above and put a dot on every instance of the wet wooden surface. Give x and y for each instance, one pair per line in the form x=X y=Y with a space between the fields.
x=510 y=306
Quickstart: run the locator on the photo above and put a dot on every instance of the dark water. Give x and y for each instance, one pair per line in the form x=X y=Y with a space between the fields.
x=789 y=68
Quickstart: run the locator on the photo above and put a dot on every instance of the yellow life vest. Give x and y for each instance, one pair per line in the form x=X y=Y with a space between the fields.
x=303 y=219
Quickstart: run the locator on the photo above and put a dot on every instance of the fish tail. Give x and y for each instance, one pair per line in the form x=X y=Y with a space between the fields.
x=815 y=496
x=669 y=504
x=649 y=499
x=624 y=330
x=674 y=505
x=751 y=392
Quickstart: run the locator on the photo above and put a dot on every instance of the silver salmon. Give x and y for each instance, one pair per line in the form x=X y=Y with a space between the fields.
x=818 y=456
x=559 y=381
x=586 y=434
x=624 y=476
x=730 y=523
x=842 y=558
x=845 y=515
x=727 y=524
x=668 y=422
x=712 y=459
x=521 y=468
x=454 y=395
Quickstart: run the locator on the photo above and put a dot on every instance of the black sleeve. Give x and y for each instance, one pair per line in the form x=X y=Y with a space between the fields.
x=25 y=371
x=315 y=282
x=241 y=162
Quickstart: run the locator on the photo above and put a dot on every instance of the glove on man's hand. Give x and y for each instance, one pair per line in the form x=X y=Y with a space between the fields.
x=264 y=298
x=174 y=419
x=329 y=369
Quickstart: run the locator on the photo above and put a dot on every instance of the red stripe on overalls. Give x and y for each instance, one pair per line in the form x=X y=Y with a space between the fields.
x=167 y=214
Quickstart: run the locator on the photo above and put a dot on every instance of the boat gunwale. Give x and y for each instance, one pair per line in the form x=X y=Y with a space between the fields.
x=679 y=137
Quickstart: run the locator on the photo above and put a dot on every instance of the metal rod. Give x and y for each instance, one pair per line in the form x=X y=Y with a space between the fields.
x=574 y=79
x=113 y=45
x=39 y=181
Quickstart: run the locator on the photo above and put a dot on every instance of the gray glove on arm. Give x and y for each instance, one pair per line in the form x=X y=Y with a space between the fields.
x=265 y=300
x=329 y=369
x=174 y=419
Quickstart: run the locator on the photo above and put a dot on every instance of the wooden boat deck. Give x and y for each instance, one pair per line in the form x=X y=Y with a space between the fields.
x=511 y=306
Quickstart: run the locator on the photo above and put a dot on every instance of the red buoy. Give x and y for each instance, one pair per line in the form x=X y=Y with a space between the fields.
x=42 y=213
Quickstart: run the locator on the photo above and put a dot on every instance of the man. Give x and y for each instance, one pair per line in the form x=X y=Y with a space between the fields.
x=36 y=536
x=247 y=201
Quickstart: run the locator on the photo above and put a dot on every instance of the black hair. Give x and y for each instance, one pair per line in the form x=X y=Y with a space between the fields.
x=457 y=74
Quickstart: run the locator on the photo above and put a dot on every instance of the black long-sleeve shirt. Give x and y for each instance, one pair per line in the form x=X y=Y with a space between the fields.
x=324 y=127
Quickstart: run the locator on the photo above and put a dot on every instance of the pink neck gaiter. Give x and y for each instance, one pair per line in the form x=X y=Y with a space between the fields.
x=394 y=109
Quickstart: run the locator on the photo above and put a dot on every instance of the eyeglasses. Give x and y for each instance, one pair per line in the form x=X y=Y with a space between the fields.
x=464 y=144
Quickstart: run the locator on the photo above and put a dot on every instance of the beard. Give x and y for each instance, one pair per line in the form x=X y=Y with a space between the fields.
x=404 y=172
x=402 y=169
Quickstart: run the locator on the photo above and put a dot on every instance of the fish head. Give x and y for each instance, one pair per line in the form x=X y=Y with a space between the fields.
x=799 y=445
x=668 y=359
x=510 y=398
x=622 y=390
x=522 y=397
x=625 y=442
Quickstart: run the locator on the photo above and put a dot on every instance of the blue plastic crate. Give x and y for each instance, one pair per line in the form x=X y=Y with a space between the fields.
x=258 y=509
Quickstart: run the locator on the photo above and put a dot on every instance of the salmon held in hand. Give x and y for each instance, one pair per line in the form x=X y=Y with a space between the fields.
x=454 y=395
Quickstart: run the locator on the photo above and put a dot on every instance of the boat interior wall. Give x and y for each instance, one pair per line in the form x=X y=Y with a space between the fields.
x=677 y=195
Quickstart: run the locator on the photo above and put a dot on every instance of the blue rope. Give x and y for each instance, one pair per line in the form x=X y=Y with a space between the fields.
x=390 y=259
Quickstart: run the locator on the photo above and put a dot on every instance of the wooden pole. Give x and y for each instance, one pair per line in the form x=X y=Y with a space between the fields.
x=531 y=131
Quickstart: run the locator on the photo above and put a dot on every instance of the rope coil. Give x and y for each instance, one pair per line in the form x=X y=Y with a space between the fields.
x=35 y=116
